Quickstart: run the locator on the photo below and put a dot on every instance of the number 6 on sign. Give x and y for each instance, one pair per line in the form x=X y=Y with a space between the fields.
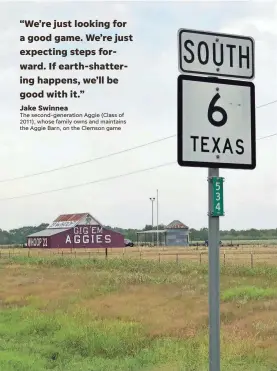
x=212 y=109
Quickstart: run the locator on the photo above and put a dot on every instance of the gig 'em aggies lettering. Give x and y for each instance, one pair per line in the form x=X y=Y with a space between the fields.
x=88 y=235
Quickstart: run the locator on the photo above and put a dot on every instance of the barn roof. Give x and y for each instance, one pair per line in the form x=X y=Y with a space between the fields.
x=70 y=217
x=48 y=232
x=71 y=220
x=176 y=224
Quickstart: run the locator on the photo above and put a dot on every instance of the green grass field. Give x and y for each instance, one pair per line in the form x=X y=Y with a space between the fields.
x=138 y=315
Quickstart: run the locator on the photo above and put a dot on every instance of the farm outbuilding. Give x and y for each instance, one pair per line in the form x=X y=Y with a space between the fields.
x=75 y=231
x=174 y=234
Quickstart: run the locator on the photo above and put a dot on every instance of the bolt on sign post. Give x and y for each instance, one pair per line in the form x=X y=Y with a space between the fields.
x=216 y=129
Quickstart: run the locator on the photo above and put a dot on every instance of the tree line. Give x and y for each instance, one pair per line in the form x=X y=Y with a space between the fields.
x=19 y=235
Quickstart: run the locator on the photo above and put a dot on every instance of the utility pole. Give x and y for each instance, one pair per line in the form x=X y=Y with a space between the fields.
x=152 y=199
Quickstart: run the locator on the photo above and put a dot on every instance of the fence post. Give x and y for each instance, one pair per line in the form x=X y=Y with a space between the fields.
x=29 y=253
x=62 y=252
x=200 y=258
x=252 y=261
x=106 y=252
x=177 y=258
x=159 y=257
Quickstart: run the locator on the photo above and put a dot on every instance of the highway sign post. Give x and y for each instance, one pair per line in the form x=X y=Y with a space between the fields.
x=216 y=129
x=214 y=278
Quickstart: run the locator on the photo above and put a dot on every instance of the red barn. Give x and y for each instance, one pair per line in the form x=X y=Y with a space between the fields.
x=75 y=231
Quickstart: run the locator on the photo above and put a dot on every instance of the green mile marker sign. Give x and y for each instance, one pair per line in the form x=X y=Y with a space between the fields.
x=217 y=204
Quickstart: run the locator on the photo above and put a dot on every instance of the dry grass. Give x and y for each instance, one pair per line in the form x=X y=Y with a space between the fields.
x=20 y=286
x=178 y=309
x=175 y=308
x=160 y=309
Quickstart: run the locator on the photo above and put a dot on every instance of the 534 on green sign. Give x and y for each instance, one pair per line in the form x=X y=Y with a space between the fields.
x=217 y=204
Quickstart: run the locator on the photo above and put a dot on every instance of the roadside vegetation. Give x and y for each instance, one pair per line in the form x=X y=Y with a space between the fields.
x=67 y=314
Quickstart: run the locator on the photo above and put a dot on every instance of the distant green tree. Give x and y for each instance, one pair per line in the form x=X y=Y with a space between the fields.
x=148 y=227
x=18 y=236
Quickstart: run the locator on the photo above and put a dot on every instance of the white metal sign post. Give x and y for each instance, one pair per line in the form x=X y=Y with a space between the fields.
x=216 y=129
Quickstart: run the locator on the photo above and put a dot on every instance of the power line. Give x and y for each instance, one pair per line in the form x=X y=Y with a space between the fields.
x=267 y=104
x=104 y=156
x=86 y=161
x=268 y=136
x=88 y=183
x=103 y=179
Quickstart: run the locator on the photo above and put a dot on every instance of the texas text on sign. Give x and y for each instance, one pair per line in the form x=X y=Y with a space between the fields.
x=210 y=53
x=216 y=123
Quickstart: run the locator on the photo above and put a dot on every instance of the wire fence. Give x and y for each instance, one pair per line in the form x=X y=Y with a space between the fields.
x=232 y=256
x=225 y=243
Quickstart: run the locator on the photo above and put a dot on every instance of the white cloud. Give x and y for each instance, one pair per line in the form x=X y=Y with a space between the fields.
x=147 y=94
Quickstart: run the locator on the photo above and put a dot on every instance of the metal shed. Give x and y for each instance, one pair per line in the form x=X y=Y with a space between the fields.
x=177 y=234
x=75 y=231
x=174 y=234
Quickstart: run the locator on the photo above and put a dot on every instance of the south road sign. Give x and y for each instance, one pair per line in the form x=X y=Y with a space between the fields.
x=216 y=123
x=210 y=53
